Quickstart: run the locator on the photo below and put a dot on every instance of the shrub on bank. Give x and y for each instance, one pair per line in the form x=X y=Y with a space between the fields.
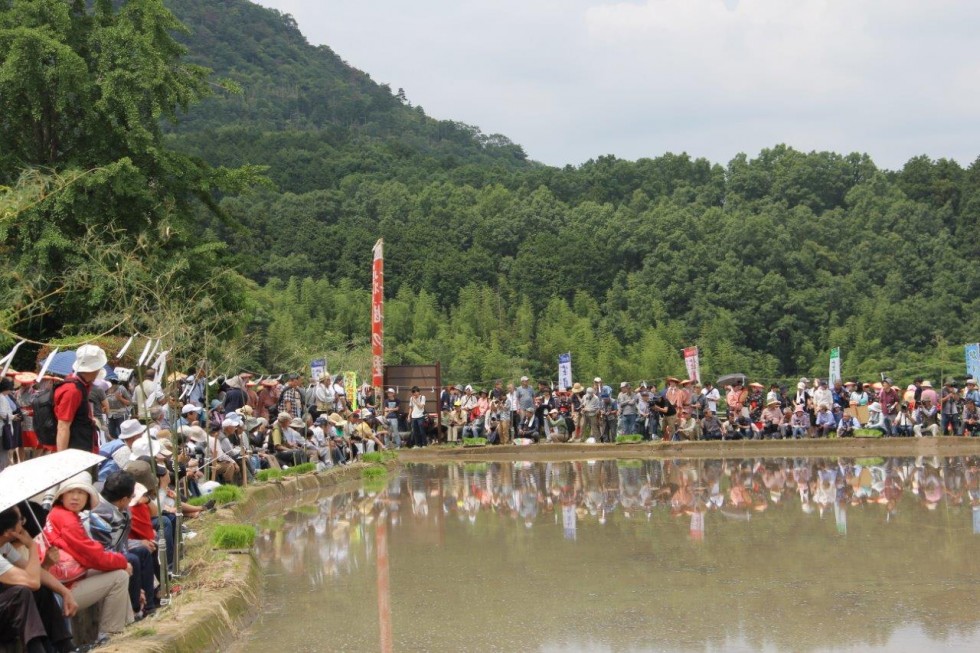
x=296 y=470
x=233 y=536
x=474 y=442
x=629 y=439
x=269 y=475
x=221 y=495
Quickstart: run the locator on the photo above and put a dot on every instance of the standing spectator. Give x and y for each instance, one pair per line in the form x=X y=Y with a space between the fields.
x=235 y=396
x=590 y=414
x=120 y=402
x=323 y=397
x=291 y=399
x=889 y=401
x=525 y=398
x=76 y=427
x=628 y=411
x=417 y=415
x=711 y=397
x=392 y=410
x=926 y=391
x=950 y=400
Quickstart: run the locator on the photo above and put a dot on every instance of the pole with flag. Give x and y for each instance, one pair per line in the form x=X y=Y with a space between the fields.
x=377 y=318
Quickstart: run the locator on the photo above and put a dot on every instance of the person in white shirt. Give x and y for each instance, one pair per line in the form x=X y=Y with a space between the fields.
x=711 y=397
x=417 y=415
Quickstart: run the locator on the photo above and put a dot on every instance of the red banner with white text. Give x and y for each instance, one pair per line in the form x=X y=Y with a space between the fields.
x=377 y=317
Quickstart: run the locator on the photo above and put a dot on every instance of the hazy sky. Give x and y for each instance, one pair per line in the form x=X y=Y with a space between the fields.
x=574 y=79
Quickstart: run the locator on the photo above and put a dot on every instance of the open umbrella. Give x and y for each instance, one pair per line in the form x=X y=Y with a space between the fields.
x=62 y=361
x=730 y=379
x=24 y=480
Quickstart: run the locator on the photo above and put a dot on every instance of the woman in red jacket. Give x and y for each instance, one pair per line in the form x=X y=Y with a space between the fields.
x=106 y=580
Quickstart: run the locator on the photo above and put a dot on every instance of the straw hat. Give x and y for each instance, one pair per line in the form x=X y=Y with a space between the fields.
x=297 y=423
x=672 y=379
x=25 y=378
x=269 y=383
x=774 y=402
x=336 y=420
x=756 y=384
x=81 y=481
x=577 y=388
x=195 y=433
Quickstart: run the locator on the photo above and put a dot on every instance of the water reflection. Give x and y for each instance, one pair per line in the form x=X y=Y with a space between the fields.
x=788 y=553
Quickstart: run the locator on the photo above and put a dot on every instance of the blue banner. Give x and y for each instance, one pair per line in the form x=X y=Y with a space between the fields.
x=973 y=360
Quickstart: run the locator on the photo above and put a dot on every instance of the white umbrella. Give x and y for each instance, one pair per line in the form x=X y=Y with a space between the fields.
x=24 y=480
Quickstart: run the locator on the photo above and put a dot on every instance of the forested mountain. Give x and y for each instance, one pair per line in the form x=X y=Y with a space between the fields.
x=113 y=219
x=495 y=264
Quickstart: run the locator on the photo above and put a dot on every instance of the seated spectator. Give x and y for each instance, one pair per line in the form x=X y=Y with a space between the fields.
x=876 y=420
x=455 y=422
x=686 y=426
x=772 y=420
x=119 y=452
x=107 y=579
x=29 y=612
x=904 y=422
x=529 y=427
x=119 y=492
x=846 y=426
x=926 y=419
x=285 y=443
x=361 y=431
x=826 y=424
x=800 y=423
x=711 y=427
x=740 y=428
x=971 y=418
x=557 y=426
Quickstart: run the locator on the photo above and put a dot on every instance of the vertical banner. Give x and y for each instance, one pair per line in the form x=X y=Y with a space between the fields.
x=834 y=374
x=973 y=361
x=377 y=316
x=693 y=362
x=350 y=388
x=318 y=368
x=565 y=371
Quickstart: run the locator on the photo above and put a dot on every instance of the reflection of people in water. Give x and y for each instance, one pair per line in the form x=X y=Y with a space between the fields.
x=334 y=536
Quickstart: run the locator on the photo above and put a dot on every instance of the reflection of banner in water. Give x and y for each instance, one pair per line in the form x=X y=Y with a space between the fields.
x=384 y=585
x=565 y=371
x=834 y=374
x=693 y=362
x=973 y=360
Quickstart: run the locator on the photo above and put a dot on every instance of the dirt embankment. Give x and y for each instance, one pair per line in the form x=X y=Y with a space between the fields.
x=851 y=447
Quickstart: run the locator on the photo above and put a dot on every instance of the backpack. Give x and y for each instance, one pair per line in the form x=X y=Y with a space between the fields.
x=45 y=423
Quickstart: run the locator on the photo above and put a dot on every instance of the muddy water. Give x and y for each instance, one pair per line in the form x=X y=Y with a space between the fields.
x=701 y=555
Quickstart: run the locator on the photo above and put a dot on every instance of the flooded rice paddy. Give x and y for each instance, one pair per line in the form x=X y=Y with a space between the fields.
x=787 y=554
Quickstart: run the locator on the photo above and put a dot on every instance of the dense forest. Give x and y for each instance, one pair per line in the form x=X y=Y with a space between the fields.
x=495 y=264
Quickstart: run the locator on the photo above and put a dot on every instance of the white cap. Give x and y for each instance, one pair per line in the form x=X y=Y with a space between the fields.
x=597 y=380
x=524 y=378
x=189 y=408
x=391 y=389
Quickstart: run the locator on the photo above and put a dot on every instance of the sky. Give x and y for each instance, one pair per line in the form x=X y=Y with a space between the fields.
x=571 y=80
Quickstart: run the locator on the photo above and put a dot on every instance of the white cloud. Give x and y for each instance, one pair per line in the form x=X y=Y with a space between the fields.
x=574 y=79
